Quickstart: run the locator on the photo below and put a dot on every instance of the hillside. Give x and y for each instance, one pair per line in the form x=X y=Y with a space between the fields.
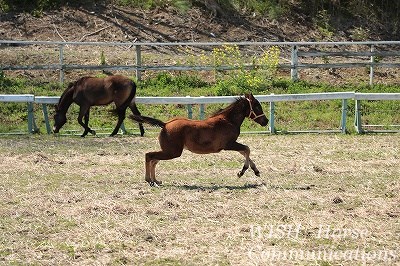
x=199 y=23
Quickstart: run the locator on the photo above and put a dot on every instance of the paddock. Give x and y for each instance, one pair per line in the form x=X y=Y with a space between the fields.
x=324 y=199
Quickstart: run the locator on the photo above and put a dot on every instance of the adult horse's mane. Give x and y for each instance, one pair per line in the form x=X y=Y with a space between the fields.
x=70 y=85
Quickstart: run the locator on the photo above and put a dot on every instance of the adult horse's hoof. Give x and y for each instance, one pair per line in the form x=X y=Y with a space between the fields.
x=93 y=132
x=239 y=174
x=257 y=173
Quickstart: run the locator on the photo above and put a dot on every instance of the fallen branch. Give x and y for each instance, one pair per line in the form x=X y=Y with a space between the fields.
x=93 y=33
x=55 y=28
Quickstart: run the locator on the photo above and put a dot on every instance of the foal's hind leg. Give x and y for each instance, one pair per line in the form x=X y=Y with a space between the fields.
x=152 y=158
x=245 y=151
x=135 y=111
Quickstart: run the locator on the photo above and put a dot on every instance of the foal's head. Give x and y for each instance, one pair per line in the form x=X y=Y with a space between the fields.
x=255 y=111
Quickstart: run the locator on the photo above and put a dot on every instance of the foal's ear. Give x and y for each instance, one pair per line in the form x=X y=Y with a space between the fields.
x=249 y=96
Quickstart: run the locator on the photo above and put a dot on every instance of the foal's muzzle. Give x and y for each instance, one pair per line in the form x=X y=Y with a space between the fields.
x=262 y=120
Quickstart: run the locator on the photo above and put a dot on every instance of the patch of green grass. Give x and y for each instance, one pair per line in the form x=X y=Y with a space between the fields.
x=289 y=115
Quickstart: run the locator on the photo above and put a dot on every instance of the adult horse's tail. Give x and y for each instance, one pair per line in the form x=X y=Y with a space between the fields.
x=148 y=120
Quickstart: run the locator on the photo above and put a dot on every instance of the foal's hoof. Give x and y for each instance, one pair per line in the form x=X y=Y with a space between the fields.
x=93 y=132
x=154 y=183
x=257 y=173
x=240 y=174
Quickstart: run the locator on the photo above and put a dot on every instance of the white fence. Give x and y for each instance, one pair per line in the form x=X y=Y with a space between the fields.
x=201 y=101
x=293 y=56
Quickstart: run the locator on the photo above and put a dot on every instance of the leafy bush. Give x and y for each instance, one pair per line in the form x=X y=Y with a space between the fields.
x=166 y=84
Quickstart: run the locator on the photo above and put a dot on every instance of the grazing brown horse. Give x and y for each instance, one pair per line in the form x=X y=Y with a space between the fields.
x=216 y=133
x=89 y=91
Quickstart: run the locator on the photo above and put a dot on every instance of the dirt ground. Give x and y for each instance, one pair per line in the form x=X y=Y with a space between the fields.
x=99 y=23
x=321 y=199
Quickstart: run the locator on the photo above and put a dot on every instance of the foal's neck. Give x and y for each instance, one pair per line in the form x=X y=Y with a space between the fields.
x=238 y=112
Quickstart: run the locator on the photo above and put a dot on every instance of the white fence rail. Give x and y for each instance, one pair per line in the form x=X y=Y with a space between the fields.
x=29 y=99
x=297 y=51
x=201 y=101
x=358 y=97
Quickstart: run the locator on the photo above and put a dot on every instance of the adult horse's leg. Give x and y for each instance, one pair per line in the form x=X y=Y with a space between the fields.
x=121 y=116
x=135 y=111
x=245 y=151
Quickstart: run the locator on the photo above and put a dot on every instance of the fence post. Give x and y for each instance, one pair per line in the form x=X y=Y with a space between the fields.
x=189 y=108
x=272 y=117
x=293 y=64
x=32 y=128
x=138 y=62
x=371 y=68
x=190 y=111
x=61 y=63
x=344 y=116
x=46 y=118
x=357 y=119
x=202 y=110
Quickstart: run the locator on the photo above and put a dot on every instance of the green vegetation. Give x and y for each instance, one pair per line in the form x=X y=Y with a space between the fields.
x=289 y=115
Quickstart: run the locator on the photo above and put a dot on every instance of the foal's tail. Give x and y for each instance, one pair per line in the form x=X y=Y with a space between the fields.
x=148 y=120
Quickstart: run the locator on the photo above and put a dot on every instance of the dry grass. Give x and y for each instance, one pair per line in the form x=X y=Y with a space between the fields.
x=79 y=201
x=170 y=56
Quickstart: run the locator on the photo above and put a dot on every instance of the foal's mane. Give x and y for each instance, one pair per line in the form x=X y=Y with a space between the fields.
x=230 y=108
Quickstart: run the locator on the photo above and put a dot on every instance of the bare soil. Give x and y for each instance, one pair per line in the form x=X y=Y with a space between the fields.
x=68 y=200
x=99 y=23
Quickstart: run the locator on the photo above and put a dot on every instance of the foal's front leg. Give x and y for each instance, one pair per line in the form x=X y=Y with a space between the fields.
x=245 y=151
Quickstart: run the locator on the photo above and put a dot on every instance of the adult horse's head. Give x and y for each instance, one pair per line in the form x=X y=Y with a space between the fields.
x=60 y=118
x=256 y=112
